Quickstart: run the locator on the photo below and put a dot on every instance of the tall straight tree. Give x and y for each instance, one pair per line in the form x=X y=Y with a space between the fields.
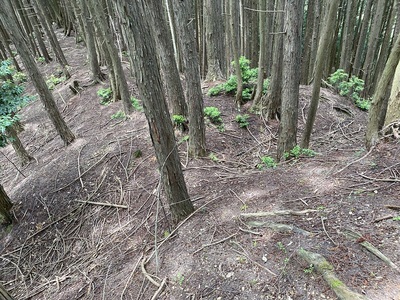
x=327 y=33
x=149 y=82
x=184 y=13
x=7 y=18
x=104 y=31
x=348 y=35
x=214 y=40
x=262 y=51
x=379 y=95
x=291 y=76
x=174 y=89
x=271 y=102
x=233 y=20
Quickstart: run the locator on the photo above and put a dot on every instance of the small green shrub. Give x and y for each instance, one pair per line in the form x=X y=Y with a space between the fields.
x=266 y=162
x=249 y=77
x=180 y=122
x=351 y=88
x=118 y=115
x=213 y=114
x=41 y=59
x=136 y=104
x=19 y=77
x=243 y=120
x=52 y=81
x=216 y=90
x=213 y=157
x=105 y=95
x=397 y=218
x=297 y=151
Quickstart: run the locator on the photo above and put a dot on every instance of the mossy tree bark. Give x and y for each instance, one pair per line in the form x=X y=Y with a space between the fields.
x=161 y=131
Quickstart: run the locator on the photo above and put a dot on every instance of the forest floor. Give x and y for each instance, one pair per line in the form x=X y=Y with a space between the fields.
x=64 y=247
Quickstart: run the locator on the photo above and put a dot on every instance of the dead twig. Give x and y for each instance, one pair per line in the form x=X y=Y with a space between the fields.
x=147 y=275
x=394 y=207
x=160 y=289
x=103 y=204
x=353 y=162
x=323 y=226
x=383 y=218
x=250 y=231
x=379 y=179
x=214 y=243
x=131 y=275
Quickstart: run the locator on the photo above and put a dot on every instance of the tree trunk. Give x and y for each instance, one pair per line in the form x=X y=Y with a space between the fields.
x=323 y=48
x=149 y=82
x=378 y=98
x=291 y=76
x=97 y=75
x=104 y=30
x=214 y=40
x=271 y=102
x=19 y=148
x=262 y=53
x=46 y=24
x=305 y=63
x=5 y=206
x=45 y=95
x=348 y=36
x=314 y=39
x=362 y=41
x=184 y=11
x=233 y=18
x=373 y=44
x=165 y=50
x=393 y=111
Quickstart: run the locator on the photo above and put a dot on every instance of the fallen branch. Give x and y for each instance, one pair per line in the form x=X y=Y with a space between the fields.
x=355 y=236
x=280 y=227
x=278 y=213
x=394 y=207
x=327 y=271
x=103 y=204
x=354 y=161
x=214 y=243
x=159 y=290
x=383 y=218
x=147 y=275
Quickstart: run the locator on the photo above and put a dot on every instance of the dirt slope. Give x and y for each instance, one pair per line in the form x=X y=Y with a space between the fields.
x=63 y=248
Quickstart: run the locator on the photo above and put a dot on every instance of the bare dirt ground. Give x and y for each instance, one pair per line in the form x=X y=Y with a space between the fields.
x=65 y=248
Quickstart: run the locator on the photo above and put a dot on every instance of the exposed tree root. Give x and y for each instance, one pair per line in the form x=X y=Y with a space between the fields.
x=355 y=236
x=323 y=267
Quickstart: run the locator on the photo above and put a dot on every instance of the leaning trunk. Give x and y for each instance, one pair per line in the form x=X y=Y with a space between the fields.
x=5 y=206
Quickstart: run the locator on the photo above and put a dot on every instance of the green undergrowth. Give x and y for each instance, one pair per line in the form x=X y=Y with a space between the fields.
x=249 y=76
x=350 y=87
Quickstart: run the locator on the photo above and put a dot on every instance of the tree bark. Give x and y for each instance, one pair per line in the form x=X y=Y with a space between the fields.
x=379 y=95
x=393 y=111
x=45 y=95
x=149 y=82
x=233 y=19
x=323 y=48
x=97 y=75
x=5 y=206
x=271 y=102
x=348 y=36
x=262 y=52
x=120 y=79
x=184 y=11
x=291 y=76
x=214 y=40
x=305 y=63
x=19 y=148
x=165 y=50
